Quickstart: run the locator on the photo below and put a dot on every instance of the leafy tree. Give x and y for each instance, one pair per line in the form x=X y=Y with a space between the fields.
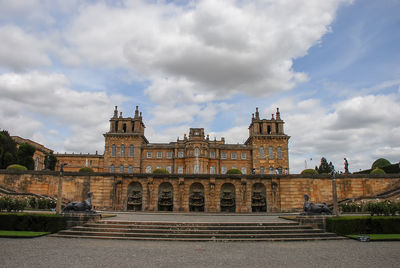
x=25 y=155
x=50 y=161
x=8 y=150
x=324 y=167
x=380 y=163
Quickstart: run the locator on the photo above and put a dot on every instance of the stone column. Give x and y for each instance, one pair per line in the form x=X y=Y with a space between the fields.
x=181 y=194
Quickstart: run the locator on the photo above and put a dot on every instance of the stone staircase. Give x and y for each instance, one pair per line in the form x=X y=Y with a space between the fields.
x=207 y=231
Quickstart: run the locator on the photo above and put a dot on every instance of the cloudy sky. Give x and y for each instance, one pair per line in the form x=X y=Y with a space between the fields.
x=332 y=67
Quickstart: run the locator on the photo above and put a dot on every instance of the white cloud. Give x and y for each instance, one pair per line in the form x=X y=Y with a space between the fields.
x=34 y=101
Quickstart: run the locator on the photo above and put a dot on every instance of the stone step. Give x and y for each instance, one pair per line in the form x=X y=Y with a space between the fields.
x=195 y=231
x=195 y=235
x=186 y=227
x=235 y=224
x=277 y=239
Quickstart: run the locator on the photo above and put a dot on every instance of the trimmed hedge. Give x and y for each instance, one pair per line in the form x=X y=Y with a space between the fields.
x=160 y=171
x=234 y=171
x=380 y=163
x=345 y=225
x=32 y=222
x=377 y=171
x=309 y=171
x=86 y=170
x=17 y=167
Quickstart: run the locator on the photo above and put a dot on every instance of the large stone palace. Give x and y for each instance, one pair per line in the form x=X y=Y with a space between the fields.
x=127 y=150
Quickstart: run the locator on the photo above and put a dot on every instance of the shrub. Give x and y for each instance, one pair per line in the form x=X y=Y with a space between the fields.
x=309 y=171
x=379 y=163
x=377 y=171
x=32 y=222
x=16 y=167
x=86 y=170
x=10 y=204
x=234 y=171
x=363 y=225
x=160 y=171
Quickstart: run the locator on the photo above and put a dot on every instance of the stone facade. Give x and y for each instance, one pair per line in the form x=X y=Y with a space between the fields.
x=127 y=150
x=39 y=154
x=283 y=193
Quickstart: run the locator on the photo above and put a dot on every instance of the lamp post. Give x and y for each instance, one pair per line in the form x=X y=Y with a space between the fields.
x=334 y=193
x=59 y=194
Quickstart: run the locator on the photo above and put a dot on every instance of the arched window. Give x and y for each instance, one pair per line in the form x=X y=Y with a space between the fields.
x=112 y=169
x=148 y=169
x=279 y=170
x=196 y=169
x=261 y=152
x=244 y=170
x=271 y=170
x=196 y=151
x=131 y=150
x=169 y=169
x=279 y=152
x=113 y=150
x=270 y=152
x=130 y=169
x=124 y=128
x=269 y=129
x=122 y=152
x=121 y=169
x=212 y=170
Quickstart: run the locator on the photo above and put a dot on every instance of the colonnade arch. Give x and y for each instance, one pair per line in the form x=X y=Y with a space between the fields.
x=228 y=198
x=135 y=196
x=196 y=197
x=165 y=197
x=258 y=198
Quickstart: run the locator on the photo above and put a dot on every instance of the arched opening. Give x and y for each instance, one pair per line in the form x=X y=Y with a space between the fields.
x=269 y=130
x=135 y=196
x=258 y=198
x=116 y=126
x=196 y=197
x=165 y=197
x=228 y=200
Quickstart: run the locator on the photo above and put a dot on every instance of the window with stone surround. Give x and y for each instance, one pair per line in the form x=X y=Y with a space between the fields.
x=180 y=154
x=169 y=169
x=279 y=170
x=261 y=152
x=159 y=154
x=262 y=170
x=196 y=169
x=244 y=170
x=212 y=170
x=112 y=169
x=223 y=155
x=233 y=156
x=212 y=154
x=169 y=154
x=180 y=169
x=131 y=151
x=113 y=150
x=149 y=155
x=244 y=156
x=130 y=169
x=122 y=152
x=223 y=170
x=121 y=169
x=271 y=170
x=270 y=152
x=279 y=152
x=148 y=169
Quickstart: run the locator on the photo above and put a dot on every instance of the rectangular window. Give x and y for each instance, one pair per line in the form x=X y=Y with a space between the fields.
x=159 y=154
x=233 y=156
x=212 y=170
x=223 y=155
x=149 y=154
x=244 y=170
x=180 y=170
x=261 y=152
x=196 y=169
x=148 y=169
x=180 y=154
x=223 y=170
x=262 y=170
x=130 y=169
x=121 y=169
x=279 y=152
x=131 y=151
x=122 y=152
x=113 y=150
x=212 y=154
x=270 y=152
x=169 y=155
x=244 y=156
x=169 y=169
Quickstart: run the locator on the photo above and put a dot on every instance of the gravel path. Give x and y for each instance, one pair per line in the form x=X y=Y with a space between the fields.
x=64 y=252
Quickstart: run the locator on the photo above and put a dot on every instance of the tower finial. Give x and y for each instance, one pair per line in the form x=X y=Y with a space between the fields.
x=116 y=112
x=278 y=114
x=257 y=114
x=137 y=112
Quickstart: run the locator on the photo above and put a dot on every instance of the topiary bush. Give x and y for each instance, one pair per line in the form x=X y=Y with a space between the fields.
x=379 y=163
x=378 y=171
x=160 y=171
x=86 y=170
x=309 y=171
x=234 y=171
x=17 y=167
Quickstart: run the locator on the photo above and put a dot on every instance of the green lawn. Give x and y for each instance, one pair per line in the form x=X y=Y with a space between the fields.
x=377 y=237
x=22 y=234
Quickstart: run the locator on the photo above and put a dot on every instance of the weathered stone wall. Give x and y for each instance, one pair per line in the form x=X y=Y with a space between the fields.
x=283 y=192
